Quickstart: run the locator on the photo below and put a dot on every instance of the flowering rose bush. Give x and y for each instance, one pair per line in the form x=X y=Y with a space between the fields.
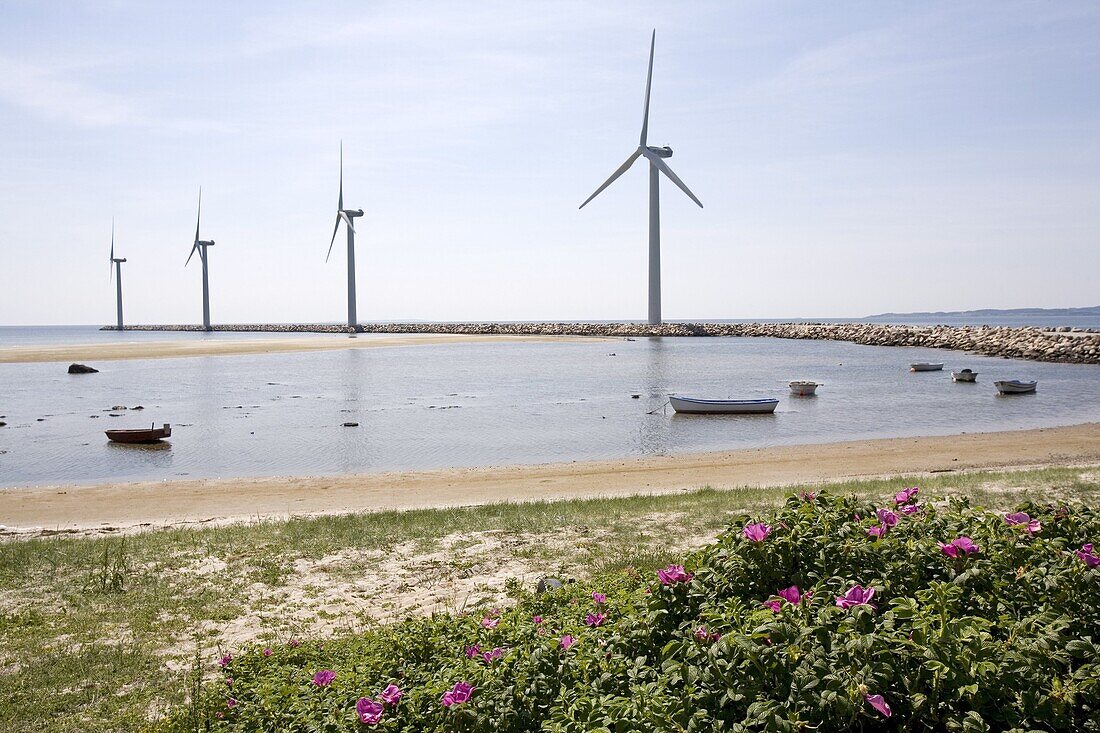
x=950 y=619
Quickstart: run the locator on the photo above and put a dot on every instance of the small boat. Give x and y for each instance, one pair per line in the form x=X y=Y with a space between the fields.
x=695 y=406
x=965 y=375
x=144 y=435
x=924 y=366
x=1014 y=386
x=801 y=388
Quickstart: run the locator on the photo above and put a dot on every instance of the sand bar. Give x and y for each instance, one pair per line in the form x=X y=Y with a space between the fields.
x=126 y=506
x=232 y=347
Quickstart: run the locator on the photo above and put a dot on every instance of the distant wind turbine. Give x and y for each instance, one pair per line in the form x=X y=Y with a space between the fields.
x=114 y=267
x=655 y=156
x=200 y=247
x=346 y=215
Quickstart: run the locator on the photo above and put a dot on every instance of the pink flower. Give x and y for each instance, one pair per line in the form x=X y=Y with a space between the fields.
x=472 y=651
x=595 y=619
x=702 y=635
x=537 y=620
x=599 y=598
x=856 y=596
x=959 y=546
x=567 y=641
x=490 y=623
x=267 y=652
x=1022 y=520
x=369 y=711
x=876 y=531
x=887 y=518
x=224 y=661
x=774 y=605
x=807 y=496
x=324 y=678
x=905 y=495
x=909 y=509
x=791 y=595
x=490 y=656
x=458 y=694
x=756 y=532
x=879 y=704
x=391 y=695
x=231 y=703
x=674 y=574
x=1088 y=556
x=294 y=643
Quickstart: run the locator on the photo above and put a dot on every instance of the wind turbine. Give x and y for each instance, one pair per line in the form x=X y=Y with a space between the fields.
x=114 y=267
x=346 y=215
x=200 y=247
x=655 y=155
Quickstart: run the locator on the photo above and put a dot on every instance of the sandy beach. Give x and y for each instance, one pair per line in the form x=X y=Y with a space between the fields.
x=234 y=347
x=130 y=506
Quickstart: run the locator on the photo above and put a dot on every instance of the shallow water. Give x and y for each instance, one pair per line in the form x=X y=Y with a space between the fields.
x=434 y=406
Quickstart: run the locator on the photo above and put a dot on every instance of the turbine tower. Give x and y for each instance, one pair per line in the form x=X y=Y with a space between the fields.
x=346 y=215
x=115 y=270
x=200 y=247
x=655 y=155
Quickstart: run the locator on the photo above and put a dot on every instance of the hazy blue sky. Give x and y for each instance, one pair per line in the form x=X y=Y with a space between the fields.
x=853 y=157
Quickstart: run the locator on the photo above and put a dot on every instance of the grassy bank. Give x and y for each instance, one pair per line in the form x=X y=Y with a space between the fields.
x=106 y=633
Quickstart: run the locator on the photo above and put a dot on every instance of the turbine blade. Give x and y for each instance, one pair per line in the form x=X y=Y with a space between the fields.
x=340 y=203
x=663 y=166
x=622 y=169
x=192 y=253
x=333 y=241
x=198 y=218
x=347 y=220
x=648 y=84
x=111 y=260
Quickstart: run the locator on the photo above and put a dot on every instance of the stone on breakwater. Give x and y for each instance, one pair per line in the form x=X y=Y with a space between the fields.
x=1036 y=344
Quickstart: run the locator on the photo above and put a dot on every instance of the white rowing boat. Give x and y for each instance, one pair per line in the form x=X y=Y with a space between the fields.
x=1015 y=386
x=695 y=406
x=924 y=366
x=801 y=388
x=964 y=376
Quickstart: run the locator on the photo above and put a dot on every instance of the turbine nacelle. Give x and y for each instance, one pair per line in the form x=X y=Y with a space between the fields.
x=204 y=243
x=353 y=213
x=661 y=151
x=118 y=259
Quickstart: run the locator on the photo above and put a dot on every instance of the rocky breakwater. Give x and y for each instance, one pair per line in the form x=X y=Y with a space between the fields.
x=1067 y=345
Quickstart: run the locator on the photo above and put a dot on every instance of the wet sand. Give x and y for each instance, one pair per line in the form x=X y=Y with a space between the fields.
x=130 y=506
x=231 y=347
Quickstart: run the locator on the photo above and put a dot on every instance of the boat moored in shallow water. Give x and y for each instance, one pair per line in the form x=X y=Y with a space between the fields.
x=965 y=375
x=801 y=388
x=1015 y=386
x=143 y=435
x=696 y=406
x=924 y=366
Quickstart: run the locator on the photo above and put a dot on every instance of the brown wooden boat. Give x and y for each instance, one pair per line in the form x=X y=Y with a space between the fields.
x=145 y=435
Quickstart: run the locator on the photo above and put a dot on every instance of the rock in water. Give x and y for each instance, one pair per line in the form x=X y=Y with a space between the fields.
x=82 y=369
x=351 y=425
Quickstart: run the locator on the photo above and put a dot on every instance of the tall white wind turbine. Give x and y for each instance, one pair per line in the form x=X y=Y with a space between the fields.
x=346 y=216
x=655 y=155
x=115 y=268
x=200 y=247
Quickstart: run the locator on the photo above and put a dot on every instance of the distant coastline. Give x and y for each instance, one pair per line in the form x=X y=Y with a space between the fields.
x=1053 y=313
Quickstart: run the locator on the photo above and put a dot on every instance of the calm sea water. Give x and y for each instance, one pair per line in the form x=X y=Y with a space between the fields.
x=433 y=406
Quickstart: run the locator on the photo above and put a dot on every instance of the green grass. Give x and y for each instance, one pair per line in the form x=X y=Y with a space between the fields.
x=103 y=633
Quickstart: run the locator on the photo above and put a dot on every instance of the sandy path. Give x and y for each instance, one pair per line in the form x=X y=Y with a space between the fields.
x=165 y=503
x=229 y=347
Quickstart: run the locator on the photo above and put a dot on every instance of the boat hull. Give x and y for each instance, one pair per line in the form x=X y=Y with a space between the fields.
x=145 y=435
x=1013 y=386
x=964 y=376
x=925 y=367
x=803 y=389
x=694 y=406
